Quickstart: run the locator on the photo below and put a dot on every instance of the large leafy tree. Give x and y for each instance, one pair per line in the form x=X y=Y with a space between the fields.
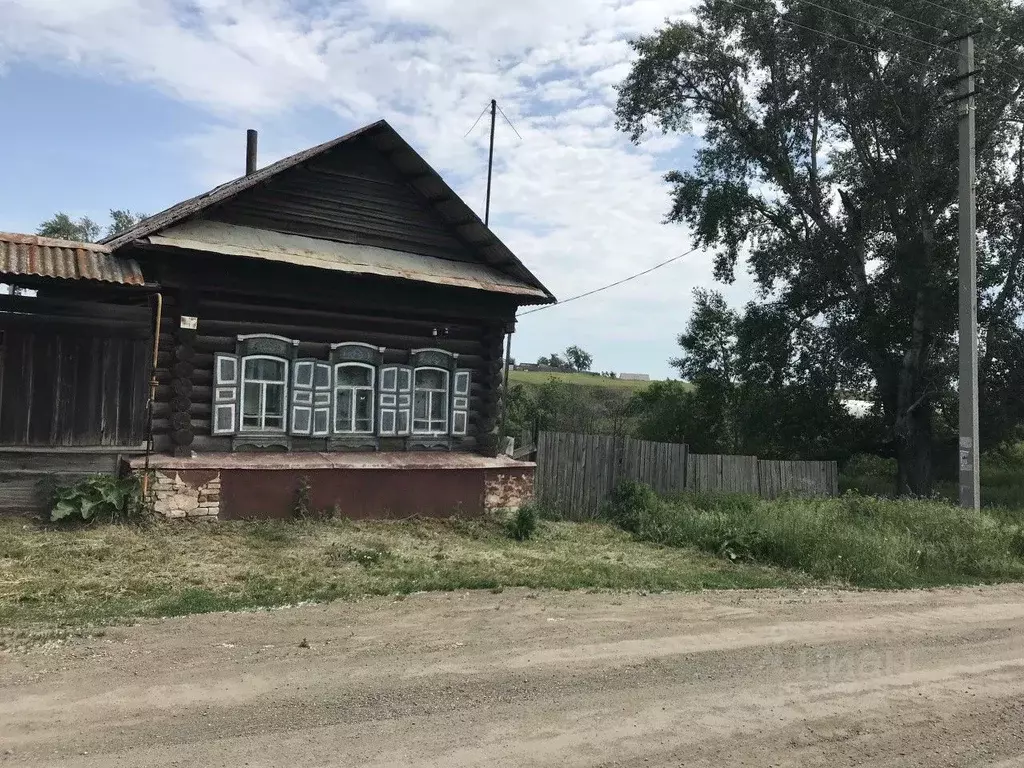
x=829 y=159
x=84 y=229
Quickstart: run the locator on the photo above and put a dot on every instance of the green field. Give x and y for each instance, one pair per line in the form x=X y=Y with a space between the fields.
x=537 y=378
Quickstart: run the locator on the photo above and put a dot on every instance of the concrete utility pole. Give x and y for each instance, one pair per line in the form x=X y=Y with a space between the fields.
x=970 y=488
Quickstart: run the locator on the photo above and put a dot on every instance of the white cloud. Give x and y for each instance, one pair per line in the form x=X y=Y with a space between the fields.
x=576 y=202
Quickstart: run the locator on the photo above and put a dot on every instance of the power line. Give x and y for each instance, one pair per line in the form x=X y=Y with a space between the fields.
x=613 y=285
x=947 y=9
x=866 y=46
x=901 y=16
x=879 y=26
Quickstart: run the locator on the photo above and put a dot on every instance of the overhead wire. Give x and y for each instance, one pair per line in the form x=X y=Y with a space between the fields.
x=878 y=26
x=612 y=285
x=502 y=111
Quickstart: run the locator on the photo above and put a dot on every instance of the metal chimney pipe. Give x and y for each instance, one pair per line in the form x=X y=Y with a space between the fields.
x=251 y=138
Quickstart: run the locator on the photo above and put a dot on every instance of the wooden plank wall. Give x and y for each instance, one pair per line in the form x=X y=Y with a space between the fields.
x=802 y=478
x=72 y=374
x=575 y=473
x=716 y=473
x=185 y=369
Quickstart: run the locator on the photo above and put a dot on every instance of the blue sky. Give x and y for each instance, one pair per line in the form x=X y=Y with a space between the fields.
x=141 y=103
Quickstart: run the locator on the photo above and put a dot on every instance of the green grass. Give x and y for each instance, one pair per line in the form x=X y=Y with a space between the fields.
x=537 y=378
x=53 y=581
x=855 y=540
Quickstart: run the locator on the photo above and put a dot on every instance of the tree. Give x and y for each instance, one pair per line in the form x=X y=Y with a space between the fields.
x=578 y=358
x=831 y=166
x=63 y=227
x=84 y=230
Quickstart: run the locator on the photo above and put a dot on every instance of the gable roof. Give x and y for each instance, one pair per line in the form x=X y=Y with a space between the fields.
x=457 y=232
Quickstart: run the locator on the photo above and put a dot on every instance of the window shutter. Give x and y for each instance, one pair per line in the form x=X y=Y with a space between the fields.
x=387 y=400
x=226 y=377
x=322 y=400
x=460 y=403
x=302 y=397
x=403 y=420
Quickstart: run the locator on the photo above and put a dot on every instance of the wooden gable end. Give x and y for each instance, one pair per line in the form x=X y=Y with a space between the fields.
x=351 y=194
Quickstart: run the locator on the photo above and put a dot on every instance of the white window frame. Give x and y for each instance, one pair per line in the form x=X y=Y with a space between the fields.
x=286 y=397
x=372 y=389
x=445 y=395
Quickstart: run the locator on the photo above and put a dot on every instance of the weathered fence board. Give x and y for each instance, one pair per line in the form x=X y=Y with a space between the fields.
x=575 y=473
x=802 y=478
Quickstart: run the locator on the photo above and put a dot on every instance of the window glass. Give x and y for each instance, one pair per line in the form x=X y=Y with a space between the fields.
x=353 y=391
x=354 y=376
x=264 y=394
x=431 y=379
x=262 y=369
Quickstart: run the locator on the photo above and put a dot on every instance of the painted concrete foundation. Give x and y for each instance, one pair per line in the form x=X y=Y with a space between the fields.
x=358 y=486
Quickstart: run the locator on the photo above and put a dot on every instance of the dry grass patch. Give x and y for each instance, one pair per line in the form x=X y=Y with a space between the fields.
x=58 y=578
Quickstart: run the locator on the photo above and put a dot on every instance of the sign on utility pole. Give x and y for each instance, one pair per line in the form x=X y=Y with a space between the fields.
x=970 y=489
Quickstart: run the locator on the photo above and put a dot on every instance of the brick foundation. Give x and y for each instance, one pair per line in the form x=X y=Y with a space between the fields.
x=508 y=489
x=193 y=495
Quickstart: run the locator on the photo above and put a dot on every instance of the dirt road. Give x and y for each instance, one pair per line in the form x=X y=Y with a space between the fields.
x=539 y=679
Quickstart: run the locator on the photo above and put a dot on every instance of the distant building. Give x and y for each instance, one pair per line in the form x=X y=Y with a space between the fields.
x=634 y=377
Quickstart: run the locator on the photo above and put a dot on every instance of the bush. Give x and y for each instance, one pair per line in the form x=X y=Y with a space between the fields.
x=630 y=504
x=523 y=523
x=99 y=497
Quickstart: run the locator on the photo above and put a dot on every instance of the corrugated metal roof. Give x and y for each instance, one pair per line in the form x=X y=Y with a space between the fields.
x=419 y=174
x=232 y=239
x=46 y=257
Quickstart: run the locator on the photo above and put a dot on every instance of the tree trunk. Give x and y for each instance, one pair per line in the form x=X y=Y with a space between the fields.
x=914 y=452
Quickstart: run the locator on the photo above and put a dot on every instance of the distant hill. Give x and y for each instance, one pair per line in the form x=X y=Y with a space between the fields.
x=536 y=378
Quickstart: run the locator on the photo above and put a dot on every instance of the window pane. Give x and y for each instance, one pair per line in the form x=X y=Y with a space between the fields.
x=353 y=376
x=387 y=422
x=403 y=379
x=364 y=404
x=438 y=407
x=420 y=406
x=388 y=379
x=343 y=417
x=264 y=370
x=250 y=422
x=274 y=422
x=252 y=400
x=403 y=422
x=431 y=380
x=275 y=399
x=420 y=425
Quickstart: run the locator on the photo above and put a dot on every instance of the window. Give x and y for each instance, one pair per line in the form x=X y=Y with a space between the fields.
x=430 y=401
x=353 y=398
x=264 y=381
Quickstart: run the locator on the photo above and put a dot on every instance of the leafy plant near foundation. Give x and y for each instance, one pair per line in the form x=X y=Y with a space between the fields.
x=102 y=498
x=301 y=507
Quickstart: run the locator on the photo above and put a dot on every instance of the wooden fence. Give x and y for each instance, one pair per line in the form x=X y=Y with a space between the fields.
x=575 y=473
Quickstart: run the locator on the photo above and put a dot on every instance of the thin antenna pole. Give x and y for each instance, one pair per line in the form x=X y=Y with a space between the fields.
x=490 y=163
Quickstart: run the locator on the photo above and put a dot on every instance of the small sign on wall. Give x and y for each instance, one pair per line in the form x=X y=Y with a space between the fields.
x=189 y=323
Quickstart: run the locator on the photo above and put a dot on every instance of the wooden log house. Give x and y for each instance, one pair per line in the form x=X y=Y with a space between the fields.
x=330 y=327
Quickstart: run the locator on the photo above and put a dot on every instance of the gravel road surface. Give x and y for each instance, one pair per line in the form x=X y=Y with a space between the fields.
x=521 y=678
